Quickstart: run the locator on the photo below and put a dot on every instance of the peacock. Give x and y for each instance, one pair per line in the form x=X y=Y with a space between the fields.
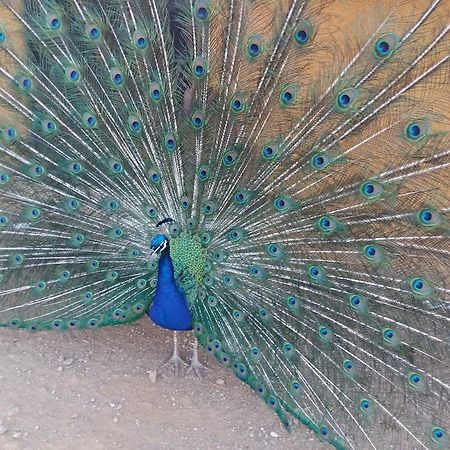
x=270 y=174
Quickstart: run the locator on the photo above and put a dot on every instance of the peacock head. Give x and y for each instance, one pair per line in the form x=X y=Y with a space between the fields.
x=159 y=243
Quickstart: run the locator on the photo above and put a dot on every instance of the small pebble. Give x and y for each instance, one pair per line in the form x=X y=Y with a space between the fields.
x=3 y=430
x=273 y=434
x=17 y=435
x=220 y=382
x=68 y=362
x=152 y=375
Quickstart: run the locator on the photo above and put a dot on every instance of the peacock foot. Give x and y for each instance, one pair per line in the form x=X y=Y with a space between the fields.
x=174 y=365
x=197 y=368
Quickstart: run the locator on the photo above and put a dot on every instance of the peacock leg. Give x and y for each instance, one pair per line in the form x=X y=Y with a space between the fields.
x=196 y=366
x=174 y=363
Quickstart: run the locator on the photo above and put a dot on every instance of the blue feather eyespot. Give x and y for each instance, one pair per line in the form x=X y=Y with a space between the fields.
x=92 y=265
x=17 y=260
x=320 y=161
x=154 y=176
x=273 y=402
x=74 y=167
x=33 y=213
x=219 y=255
x=198 y=120
x=235 y=235
x=36 y=170
x=270 y=151
x=288 y=95
x=230 y=158
x=237 y=315
x=14 y=323
x=371 y=189
x=241 y=370
x=202 y=9
x=364 y=404
x=185 y=202
x=346 y=98
x=24 y=83
x=111 y=205
x=417 y=382
x=64 y=275
x=89 y=120
x=255 y=353
x=349 y=368
x=208 y=280
x=295 y=388
x=282 y=203
x=254 y=46
x=357 y=303
x=303 y=33
x=170 y=141
x=72 y=204
x=111 y=275
x=3 y=221
x=237 y=103
x=264 y=314
x=132 y=253
x=420 y=287
x=417 y=130
x=316 y=274
x=48 y=126
x=134 y=124
x=292 y=303
x=4 y=178
x=326 y=334
x=57 y=324
x=53 y=22
x=150 y=211
x=73 y=74
x=203 y=173
x=205 y=238
x=212 y=301
x=242 y=197
x=430 y=218
x=140 y=40
x=199 y=67
x=9 y=135
x=327 y=224
x=258 y=273
x=230 y=281
x=386 y=45
x=260 y=389
x=288 y=349
x=275 y=251
x=40 y=286
x=390 y=337
x=115 y=166
x=155 y=91
x=208 y=207
x=93 y=31
x=86 y=297
x=2 y=37
x=115 y=232
x=373 y=253
x=439 y=436
x=77 y=239
x=93 y=323
x=117 y=77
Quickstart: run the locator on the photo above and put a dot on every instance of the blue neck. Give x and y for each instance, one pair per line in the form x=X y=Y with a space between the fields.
x=169 y=308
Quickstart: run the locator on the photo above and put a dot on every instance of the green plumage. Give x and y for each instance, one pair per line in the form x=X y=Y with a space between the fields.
x=306 y=180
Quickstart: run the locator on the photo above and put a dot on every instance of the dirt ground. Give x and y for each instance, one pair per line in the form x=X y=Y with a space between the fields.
x=94 y=390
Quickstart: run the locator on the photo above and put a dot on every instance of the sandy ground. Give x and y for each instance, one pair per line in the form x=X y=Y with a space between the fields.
x=92 y=390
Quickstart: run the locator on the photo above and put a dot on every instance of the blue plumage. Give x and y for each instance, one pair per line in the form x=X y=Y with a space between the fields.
x=169 y=308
